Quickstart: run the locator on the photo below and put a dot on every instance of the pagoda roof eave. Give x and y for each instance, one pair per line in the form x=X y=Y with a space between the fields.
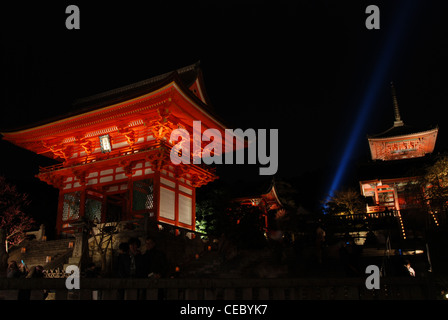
x=384 y=137
x=183 y=103
x=135 y=89
x=263 y=195
x=102 y=101
x=199 y=105
x=168 y=101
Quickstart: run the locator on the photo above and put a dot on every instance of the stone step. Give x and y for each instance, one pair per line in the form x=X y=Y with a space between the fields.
x=38 y=251
x=46 y=244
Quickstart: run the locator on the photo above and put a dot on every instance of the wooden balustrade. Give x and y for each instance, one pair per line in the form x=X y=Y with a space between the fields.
x=223 y=289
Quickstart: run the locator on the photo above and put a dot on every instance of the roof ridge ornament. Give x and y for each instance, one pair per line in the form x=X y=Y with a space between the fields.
x=398 y=122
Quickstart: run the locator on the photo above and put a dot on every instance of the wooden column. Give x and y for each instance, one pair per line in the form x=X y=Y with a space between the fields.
x=59 y=214
x=193 y=210
x=176 y=204
x=129 y=214
x=156 y=195
x=82 y=202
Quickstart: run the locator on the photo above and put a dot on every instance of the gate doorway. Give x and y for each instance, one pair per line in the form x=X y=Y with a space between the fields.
x=116 y=207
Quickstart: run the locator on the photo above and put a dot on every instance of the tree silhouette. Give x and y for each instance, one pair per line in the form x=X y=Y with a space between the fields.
x=346 y=201
x=13 y=220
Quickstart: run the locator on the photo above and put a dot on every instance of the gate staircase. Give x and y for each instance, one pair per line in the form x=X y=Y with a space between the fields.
x=43 y=253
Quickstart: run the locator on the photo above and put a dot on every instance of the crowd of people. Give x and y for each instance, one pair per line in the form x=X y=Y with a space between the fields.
x=131 y=263
x=16 y=270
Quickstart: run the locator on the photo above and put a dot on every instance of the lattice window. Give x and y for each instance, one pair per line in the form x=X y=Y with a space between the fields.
x=185 y=209
x=143 y=195
x=70 y=209
x=93 y=209
x=167 y=203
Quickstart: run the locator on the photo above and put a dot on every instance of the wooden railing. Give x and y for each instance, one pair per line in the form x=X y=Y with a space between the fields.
x=363 y=216
x=222 y=289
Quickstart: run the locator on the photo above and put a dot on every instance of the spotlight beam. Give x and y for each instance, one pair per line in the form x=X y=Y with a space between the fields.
x=378 y=78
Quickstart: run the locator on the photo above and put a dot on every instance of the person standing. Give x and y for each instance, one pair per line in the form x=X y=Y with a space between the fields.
x=137 y=268
x=410 y=270
x=155 y=261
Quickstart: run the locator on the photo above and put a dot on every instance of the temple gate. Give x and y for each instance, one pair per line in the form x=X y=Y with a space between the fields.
x=114 y=152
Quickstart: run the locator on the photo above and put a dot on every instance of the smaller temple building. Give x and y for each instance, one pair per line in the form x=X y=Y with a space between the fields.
x=266 y=198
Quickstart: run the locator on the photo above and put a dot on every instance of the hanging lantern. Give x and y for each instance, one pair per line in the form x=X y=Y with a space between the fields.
x=191 y=235
x=105 y=143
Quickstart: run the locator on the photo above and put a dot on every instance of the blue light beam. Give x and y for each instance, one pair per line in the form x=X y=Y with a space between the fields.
x=378 y=79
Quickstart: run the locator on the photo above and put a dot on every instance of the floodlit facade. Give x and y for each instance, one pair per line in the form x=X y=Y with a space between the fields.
x=114 y=152
x=392 y=151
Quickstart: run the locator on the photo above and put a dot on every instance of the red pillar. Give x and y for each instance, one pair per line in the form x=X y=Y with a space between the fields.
x=59 y=214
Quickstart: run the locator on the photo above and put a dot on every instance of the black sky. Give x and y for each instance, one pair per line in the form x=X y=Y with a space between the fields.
x=302 y=67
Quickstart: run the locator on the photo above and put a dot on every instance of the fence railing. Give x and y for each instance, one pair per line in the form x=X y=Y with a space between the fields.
x=221 y=289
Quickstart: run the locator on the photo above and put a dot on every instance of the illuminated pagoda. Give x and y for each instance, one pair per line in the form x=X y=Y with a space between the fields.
x=394 y=151
x=114 y=152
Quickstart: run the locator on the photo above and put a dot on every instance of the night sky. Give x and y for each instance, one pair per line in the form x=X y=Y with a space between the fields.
x=303 y=67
